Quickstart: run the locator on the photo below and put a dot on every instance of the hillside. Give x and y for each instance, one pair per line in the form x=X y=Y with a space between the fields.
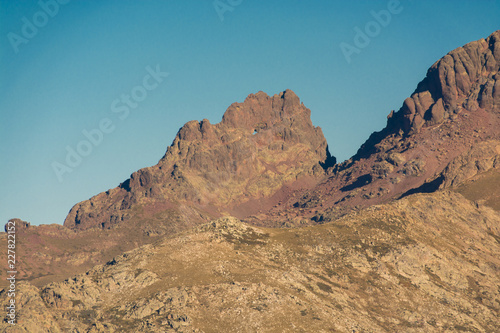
x=426 y=263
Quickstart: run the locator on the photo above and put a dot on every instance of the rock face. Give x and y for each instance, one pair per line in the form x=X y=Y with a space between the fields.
x=426 y=263
x=481 y=158
x=465 y=78
x=259 y=146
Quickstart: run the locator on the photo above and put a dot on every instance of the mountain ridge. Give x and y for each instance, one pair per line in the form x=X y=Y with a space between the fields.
x=292 y=181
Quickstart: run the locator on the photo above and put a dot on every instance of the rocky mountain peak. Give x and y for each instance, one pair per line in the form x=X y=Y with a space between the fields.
x=260 y=145
x=18 y=224
x=466 y=79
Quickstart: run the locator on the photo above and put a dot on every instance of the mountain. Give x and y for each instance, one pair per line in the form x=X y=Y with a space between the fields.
x=262 y=150
x=250 y=225
x=210 y=170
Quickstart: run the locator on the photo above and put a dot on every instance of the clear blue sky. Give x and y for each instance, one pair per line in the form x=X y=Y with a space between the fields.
x=63 y=77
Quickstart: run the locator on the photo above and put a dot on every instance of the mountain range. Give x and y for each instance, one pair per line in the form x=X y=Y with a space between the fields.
x=250 y=225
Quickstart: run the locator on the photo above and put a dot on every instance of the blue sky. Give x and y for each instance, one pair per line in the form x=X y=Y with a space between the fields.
x=66 y=70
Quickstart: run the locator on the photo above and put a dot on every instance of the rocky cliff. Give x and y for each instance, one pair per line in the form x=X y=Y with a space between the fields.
x=465 y=79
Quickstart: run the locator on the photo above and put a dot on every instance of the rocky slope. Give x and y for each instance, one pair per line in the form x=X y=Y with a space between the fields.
x=49 y=253
x=426 y=263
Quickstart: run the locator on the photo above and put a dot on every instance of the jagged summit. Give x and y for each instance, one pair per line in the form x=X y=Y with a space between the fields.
x=259 y=146
x=260 y=111
x=281 y=117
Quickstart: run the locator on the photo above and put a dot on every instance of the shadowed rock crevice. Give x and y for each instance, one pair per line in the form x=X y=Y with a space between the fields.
x=329 y=162
x=359 y=182
x=428 y=187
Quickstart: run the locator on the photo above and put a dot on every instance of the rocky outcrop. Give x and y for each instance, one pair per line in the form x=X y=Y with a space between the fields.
x=260 y=145
x=18 y=224
x=32 y=313
x=466 y=78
